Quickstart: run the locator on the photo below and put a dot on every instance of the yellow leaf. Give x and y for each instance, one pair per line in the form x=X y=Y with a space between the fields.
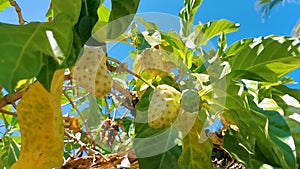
x=41 y=125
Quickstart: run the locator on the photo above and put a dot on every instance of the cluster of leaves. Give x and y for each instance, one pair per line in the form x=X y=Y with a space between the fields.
x=244 y=85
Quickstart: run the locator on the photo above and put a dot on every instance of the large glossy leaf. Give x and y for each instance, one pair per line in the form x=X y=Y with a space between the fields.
x=166 y=160
x=204 y=32
x=264 y=137
x=269 y=58
x=280 y=135
x=286 y=90
x=285 y=97
x=237 y=47
x=195 y=154
x=156 y=149
x=87 y=19
x=187 y=14
x=22 y=56
x=122 y=14
x=27 y=49
x=235 y=144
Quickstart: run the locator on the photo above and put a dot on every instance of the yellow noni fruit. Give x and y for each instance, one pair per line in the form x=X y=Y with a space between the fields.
x=41 y=126
x=164 y=106
x=91 y=72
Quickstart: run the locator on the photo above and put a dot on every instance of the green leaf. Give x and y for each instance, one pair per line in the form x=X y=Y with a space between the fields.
x=189 y=58
x=143 y=103
x=161 y=151
x=92 y=113
x=222 y=44
x=1 y=164
x=195 y=155
x=187 y=14
x=122 y=13
x=239 y=152
x=10 y=151
x=150 y=26
x=204 y=32
x=4 y=4
x=103 y=17
x=166 y=160
x=23 y=55
x=295 y=130
x=87 y=19
x=281 y=136
x=34 y=44
x=237 y=47
x=174 y=39
x=286 y=90
x=138 y=38
x=271 y=57
x=264 y=135
x=127 y=124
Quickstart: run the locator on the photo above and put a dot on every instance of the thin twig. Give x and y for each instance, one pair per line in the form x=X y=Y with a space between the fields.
x=18 y=10
x=7 y=112
x=114 y=60
x=115 y=113
x=79 y=113
x=130 y=72
x=124 y=115
x=83 y=145
x=138 y=76
x=107 y=107
x=125 y=103
x=76 y=100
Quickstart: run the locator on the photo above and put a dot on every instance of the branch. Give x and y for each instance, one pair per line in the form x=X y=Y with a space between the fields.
x=18 y=10
x=7 y=112
x=11 y=99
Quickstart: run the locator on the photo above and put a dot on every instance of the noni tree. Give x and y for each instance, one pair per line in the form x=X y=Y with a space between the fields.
x=172 y=101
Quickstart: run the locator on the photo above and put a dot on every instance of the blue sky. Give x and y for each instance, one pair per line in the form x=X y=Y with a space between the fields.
x=281 y=21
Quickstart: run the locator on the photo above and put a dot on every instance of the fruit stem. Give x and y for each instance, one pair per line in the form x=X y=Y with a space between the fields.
x=142 y=79
x=114 y=60
x=130 y=72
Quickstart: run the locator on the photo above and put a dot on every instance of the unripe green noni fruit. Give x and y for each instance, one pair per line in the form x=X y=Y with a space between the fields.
x=164 y=107
x=190 y=100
